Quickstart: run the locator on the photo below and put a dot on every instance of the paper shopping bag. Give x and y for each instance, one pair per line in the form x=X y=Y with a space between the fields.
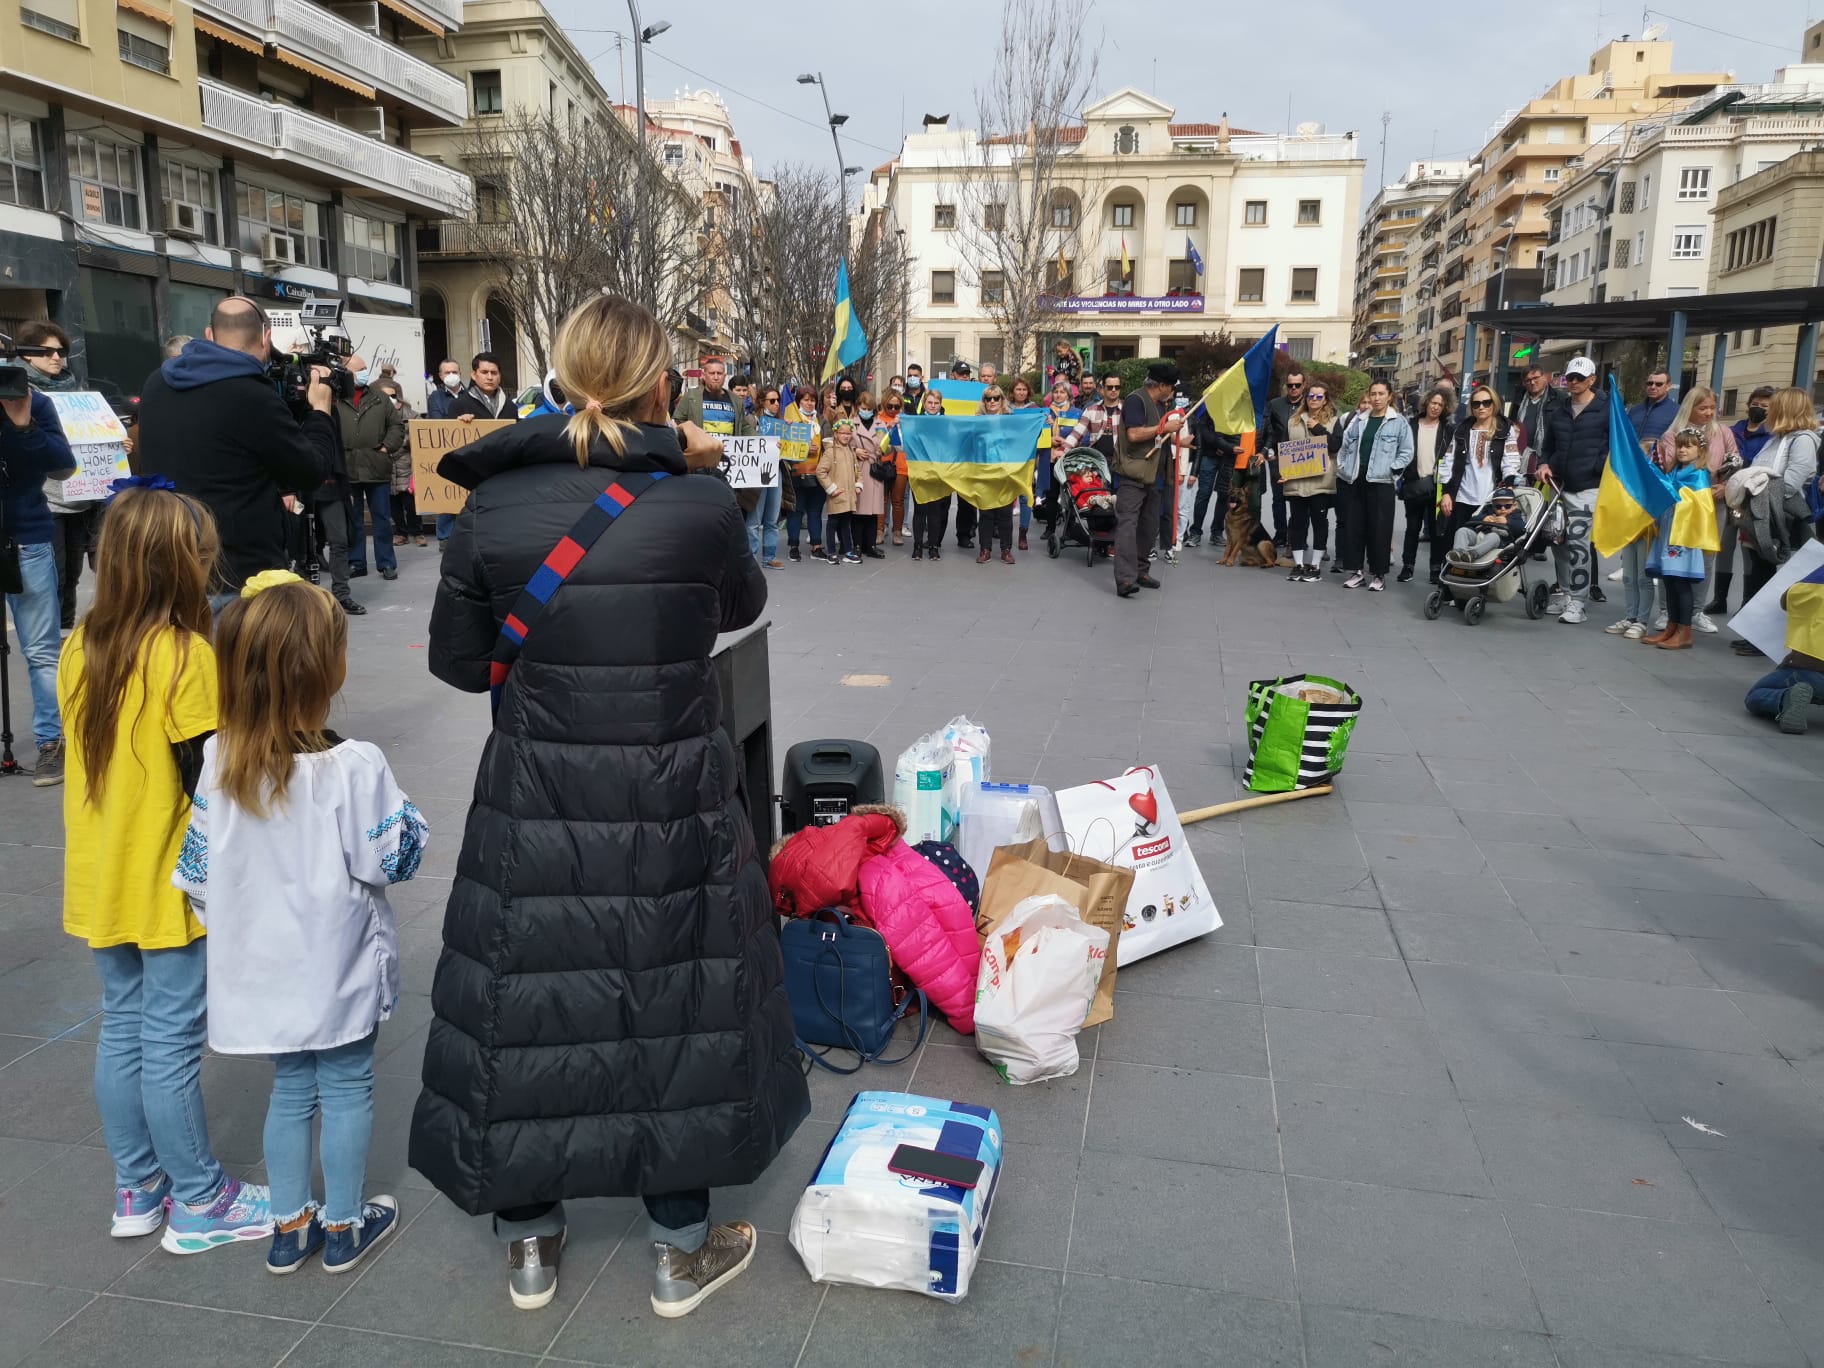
x=1129 y=822
x=1105 y=889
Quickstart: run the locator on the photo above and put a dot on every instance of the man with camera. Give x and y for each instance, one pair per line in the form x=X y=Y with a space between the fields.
x=212 y=420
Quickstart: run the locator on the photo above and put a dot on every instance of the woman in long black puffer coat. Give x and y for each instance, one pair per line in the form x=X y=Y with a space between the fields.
x=611 y=1017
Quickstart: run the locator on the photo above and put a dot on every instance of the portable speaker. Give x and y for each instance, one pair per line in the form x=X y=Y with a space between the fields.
x=825 y=779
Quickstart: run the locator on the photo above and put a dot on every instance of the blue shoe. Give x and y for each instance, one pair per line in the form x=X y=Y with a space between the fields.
x=290 y=1248
x=347 y=1247
x=242 y=1211
x=138 y=1210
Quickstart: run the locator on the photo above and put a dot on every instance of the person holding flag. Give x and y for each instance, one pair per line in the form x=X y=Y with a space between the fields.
x=1145 y=426
x=1683 y=534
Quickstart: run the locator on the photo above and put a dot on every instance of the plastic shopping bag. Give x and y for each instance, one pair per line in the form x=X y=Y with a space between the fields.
x=970 y=744
x=927 y=789
x=1038 y=978
x=1298 y=731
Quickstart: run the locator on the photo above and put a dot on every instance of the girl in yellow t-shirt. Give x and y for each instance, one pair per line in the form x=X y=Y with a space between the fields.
x=138 y=687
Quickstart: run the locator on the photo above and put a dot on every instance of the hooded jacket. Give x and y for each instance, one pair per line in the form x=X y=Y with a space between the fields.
x=370 y=422
x=30 y=456
x=211 y=421
x=609 y=1010
x=1576 y=445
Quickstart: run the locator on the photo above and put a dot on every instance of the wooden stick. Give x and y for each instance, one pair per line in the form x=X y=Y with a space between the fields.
x=1242 y=804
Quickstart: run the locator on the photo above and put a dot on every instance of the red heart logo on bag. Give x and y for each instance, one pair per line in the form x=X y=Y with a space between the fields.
x=1146 y=805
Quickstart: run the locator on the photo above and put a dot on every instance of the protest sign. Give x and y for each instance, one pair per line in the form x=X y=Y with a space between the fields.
x=1761 y=621
x=432 y=440
x=98 y=441
x=1304 y=459
x=794 y=438
x=751 y=462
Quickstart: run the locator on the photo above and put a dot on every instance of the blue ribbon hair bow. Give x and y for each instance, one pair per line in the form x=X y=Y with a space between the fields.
x=127 y=482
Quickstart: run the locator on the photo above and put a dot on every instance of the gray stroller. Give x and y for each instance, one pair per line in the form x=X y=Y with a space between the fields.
x=1502 y=573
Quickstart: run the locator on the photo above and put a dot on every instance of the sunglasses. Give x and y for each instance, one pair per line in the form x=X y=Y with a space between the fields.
x=1481 y=403
x=1295 y=384
x=1316 y=397
x=55 y=351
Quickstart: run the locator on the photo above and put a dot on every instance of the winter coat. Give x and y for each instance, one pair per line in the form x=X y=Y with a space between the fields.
x=609 y=1008
x=839 y=470
x=28 y=457
x=498 y=406
x=372 y=431
x=1576 y=445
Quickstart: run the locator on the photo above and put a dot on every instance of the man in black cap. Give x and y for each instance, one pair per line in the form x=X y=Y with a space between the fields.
x=1145 y=425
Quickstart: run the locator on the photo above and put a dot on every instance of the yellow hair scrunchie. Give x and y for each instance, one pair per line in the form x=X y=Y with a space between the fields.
x=268 y=579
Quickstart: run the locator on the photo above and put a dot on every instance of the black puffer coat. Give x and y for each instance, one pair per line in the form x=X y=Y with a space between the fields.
x=611 y=1017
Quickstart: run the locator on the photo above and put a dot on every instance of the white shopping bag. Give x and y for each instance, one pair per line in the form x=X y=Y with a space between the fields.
x=1129 y=821
x=1038 y=978
x=927 y=788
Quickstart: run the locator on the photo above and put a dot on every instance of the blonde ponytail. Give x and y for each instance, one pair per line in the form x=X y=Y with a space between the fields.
x=608 y=356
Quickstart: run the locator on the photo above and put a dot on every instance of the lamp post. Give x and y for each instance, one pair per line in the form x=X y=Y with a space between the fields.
x=904 y=275
x=836 y=121
x=641 y=36
x=1498 y=383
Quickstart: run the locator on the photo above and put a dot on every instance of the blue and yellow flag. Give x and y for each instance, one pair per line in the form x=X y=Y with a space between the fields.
x=1804 y=604
x=1634 y=493
x=962 y=398
x=1237 y=399
x=849 y=344
x=987 y=459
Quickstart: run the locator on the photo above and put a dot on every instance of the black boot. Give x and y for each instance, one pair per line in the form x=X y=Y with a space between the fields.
x=1720 y=603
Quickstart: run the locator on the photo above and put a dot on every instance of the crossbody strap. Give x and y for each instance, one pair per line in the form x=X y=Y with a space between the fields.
x=564 y=558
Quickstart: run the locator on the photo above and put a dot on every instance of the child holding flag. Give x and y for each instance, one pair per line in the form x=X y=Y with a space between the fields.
x=1677 y=557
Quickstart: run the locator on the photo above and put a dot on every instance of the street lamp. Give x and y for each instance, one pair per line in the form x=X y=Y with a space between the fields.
x=644 y=36
x=904 y=275
x=836 y=121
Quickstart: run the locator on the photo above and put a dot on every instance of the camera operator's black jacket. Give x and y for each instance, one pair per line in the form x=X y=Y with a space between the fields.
x=211 y=421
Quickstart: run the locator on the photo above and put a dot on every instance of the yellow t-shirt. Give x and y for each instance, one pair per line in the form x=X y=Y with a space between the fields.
x=118 y=857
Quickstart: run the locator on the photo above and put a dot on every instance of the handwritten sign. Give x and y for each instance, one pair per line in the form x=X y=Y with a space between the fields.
x=794 y=438
x=1305 y=458
x=432 y=440
x=98 y=440
x=751 y=462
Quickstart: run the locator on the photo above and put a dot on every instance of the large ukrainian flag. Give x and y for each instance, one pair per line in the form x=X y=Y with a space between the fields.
x=986 y=459
x=1634 y=493
x=1237 y=399
x=849 y=344
x=962 y=398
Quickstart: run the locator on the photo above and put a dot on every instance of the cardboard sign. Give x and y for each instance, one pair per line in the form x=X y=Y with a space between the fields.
x=98 y=441
x=751 y=462
x=794 y=438
x=1761 y=621
x=432 y=440
x=1304 y=459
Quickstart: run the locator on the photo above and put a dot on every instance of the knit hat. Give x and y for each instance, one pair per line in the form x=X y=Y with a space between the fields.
x=955 y=868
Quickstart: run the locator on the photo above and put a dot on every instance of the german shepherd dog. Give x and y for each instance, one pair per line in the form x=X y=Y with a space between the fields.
x=1248 y=542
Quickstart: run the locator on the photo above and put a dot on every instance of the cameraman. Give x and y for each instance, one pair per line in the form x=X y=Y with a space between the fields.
x=212 y=420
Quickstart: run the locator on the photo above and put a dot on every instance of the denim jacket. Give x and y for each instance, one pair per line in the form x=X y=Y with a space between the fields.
x=1392 y=451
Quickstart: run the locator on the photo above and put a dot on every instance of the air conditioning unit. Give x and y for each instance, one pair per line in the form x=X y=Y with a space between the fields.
x=183 y=221
x=277 y=249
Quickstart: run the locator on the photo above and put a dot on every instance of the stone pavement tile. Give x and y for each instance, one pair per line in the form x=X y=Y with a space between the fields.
x=1790 y=1270
x=1009 y=1316
x=236 y=1090
x=1646 y=1014
x=1366 y=815
x=1531 y=1067
x=13 y=1046
x=1285 y=878
x=20 y=1159
x=831 y=1093
x=49 y=1094
x=1402 y=852
x=445 y=1277
x=1652 y=1285
x=1582 y=1159
x=1105 y=1321
x=1320 y=981
x=1413 y=1253
x=1382 y=1053
x=330 y=1346
x=1390 y=1139
x=1049 y=1114
x=1535 y=827
x=766 y=1312
x=1198 y=969
x=1544 y=903
x=1712 y=803
x=1227 y=1226
x=1639 y=956
x=1585 y=792
x=1736 y=1094
x=166 y=1337
x=1561 y=864
x=1436 y=891
x=48 y=996
x=1034 y=1205
x=1237 y=917
x=1650 y=838
x=1751 y=919
x=1182 y=1033
x=1336 y=930
x=30 y=1313
x=1517 y=795
x=769 y=1201
x=31 y=868
x=1461 y=994
x=1182 y=1114
x=1332 y=845
x=1773 y=1185
x=1795 y=971
x=1795 y=1027
x=1583 y=1354
x=1495 y=942
x=71 y=1195
x=1339 y=1338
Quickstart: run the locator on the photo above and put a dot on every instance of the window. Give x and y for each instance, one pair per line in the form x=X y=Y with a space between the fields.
x=62 y=18
x=1063 y=212
x=943 y=287
x=1736 y=342
x=1127 y=141
x=943 y=352
x=1255 y=212
x=674 y=154
x=370 y=248
x=1729 y=401
x=1555 y=134
x=1181 y=279
x=1757 y=337
x=1751 y=245
x=1301 y=348
x=21 y=167
x=1310 y=211
x=944 y=216
x=196 y=188
x=485 y=86
x=992 y=351
x=1694 y=183
x=490 y=201
x=1646 y=192
x=1060 y=279
x=1184 y=214
x=994 y=217
x=1251 y=285
x=143 y=42
x=104 y=180
x=1124 y=215
x=1626 y=204
x=1688 y=243
x=1640 y=245
x=1552 y=173
x=1304 y=284
x=1621 y=253
x=1116 y=282
x=994 y=287
x=259 y=211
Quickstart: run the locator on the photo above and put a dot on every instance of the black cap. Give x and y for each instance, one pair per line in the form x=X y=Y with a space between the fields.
x=1162 y=373
x=960 y=369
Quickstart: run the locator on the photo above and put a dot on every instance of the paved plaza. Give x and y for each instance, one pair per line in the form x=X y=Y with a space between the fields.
x=1511 y=1052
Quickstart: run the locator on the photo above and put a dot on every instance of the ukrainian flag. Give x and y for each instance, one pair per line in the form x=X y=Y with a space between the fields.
x=1804 y=604
x=849 y=344
x=1635 y=493
x=986 y=459
x=962 y=398
x=1237 y=399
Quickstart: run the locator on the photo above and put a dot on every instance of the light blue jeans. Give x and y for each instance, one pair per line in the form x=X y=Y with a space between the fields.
x=1767 y=695
x=341 y=1082
x=1636 y=588
x=763 y=524
x=36 y=619
x=149 y=1069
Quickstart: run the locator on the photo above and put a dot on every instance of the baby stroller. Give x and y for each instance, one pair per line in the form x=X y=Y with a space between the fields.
x=1503 y=573
x=1086 y=502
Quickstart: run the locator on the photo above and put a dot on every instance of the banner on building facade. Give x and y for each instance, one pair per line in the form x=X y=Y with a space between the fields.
x=1127 y=304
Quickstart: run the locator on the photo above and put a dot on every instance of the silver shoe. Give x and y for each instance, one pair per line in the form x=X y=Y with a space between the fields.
x=532 y=1269
x=683 y=1280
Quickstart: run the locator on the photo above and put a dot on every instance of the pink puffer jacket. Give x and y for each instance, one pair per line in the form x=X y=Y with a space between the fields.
x=928 y=927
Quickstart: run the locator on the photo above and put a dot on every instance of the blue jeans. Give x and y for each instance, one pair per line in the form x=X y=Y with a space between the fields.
x=341 y=1081
x=1767 y=695
x=763 y=525
x=379 y=501
x=446 y=524
x=1636 y=588
x=149 y=1069
x=811 y=499
x=35 y=618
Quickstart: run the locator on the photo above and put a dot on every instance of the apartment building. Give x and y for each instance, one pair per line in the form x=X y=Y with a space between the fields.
x=1381 y=261
x=160 y=154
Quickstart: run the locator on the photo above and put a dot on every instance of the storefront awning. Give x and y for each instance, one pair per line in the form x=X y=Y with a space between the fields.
x=1621 y=320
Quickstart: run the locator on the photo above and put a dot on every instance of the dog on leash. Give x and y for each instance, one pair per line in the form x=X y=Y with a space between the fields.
x=1248 y=542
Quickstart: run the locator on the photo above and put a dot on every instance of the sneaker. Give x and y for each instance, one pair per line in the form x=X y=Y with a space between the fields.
x=775 y=564
x=1171 y=557
x=1556 y=603
x=50 y=765
x=344 y=1248
x=1298 y=573
x=682 y=1281
x=140 y=1210
x=1659 y=624
x=834 y=558
x=850 y=558
x=357 y=571
x=1434 y=575
x=1377 y=585
x=1405 y=575
x=1792 y=709
x=795 y=554
x=242 y=1211
x=1620 y=628
x=1635 y=631
x=352 y=608
x=1615 y=575
x=291 y=1249
x=1701 y=622
x=933 y=553
x=1147 y=582
x=389 y=573
x=1355 y=581
x=1193 y=539
x=899 y=539
x=1596 y=594
x=532 y=1269
x=1573 y=612
x=1312 y=575
x=1336 y=567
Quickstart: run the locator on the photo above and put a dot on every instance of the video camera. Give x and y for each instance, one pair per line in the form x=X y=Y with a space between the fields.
x=13 y=382
x=290 y=371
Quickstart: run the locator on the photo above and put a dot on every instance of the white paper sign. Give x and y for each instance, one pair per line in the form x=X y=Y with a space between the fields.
x=1761 y=620
x=97 y=439
x=751 y=462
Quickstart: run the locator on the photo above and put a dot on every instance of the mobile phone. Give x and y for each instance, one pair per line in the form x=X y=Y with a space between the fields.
x=953 y=1169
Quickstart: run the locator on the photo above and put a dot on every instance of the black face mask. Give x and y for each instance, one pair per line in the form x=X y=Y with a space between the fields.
x=1756 y=414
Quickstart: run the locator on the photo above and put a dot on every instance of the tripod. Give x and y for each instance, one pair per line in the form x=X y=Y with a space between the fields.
x=8 y=765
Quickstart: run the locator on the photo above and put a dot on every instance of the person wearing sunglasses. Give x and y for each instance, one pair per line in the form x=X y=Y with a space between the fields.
x=1481 y=456
x=1433 y=426
x=893 y=444
x=1100 y=418
x=930 y=516
x=1273 y=432
x=1308 y=500
x=994 y=522
x=1573 y=457
x=73 y=520
x=1376 y=448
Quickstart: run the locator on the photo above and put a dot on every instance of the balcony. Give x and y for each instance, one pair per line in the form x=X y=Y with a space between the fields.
x=457 y=238
x=311 y=32
x=328 y=149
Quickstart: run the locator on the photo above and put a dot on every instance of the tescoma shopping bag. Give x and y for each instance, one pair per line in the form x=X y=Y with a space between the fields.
x=1297 y=736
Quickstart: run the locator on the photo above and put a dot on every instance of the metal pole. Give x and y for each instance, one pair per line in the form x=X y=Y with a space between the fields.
x=1675 y=352
x=1717 y=362
x=829 y=117
x=1805 y=363
x=639 y=135
x=904 y=275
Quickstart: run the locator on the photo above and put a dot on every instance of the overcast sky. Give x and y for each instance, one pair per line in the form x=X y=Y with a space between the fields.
x=1444 y=76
